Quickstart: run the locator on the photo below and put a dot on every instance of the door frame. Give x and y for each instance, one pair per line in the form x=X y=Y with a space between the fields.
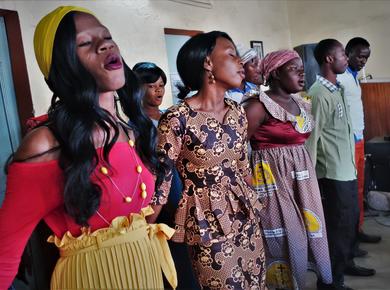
x=176 y=31
x=174 y=74
x=19 y=68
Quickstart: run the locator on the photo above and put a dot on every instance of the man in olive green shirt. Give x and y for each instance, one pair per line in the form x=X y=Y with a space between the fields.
x=331 y=143
x=331 y=146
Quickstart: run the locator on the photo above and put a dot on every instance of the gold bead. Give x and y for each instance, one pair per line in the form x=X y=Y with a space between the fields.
x=128 y=199
x=139 y=168
x=144 y=194
x=131 y=143
x=143 y=186
x=104 y=170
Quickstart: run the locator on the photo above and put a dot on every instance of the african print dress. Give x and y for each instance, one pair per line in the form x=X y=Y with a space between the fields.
x=218 y=214
x=284 y=177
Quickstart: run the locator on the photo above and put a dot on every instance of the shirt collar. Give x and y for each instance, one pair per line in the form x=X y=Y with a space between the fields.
x=248 y=86
x=354 y=73
x=327 y=84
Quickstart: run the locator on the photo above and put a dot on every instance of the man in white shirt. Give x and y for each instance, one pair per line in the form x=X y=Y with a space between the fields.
x=358 y=52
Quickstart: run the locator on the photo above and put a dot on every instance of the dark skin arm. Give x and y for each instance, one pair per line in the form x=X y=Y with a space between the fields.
x=256 y=115
x=152 y=218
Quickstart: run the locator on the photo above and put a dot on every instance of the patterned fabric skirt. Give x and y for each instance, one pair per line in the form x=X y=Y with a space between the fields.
x=238 y=262
x=292 y=221
x=130 y=254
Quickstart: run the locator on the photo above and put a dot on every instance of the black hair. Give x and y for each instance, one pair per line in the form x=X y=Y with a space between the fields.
x=75 y=112
x=324 y=48
x=191 y=57
x=149 y=72
x=355 y=42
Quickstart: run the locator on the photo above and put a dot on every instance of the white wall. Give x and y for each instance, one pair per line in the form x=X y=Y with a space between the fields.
x=311 y=21
x=138 y=28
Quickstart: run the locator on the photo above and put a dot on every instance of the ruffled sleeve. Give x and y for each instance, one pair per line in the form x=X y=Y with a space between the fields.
x=304 y=100
x=304 y=123
x=33 y=190
x=170 y=138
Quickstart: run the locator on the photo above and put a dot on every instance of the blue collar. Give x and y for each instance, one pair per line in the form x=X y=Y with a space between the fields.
x=248 y=86
x=354 y=73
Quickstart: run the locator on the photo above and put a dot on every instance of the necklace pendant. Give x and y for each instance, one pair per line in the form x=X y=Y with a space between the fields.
x=144 y=194
x=104 y=170
x=127 y=199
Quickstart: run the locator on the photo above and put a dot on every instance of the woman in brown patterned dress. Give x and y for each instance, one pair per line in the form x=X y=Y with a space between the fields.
x=204 y=136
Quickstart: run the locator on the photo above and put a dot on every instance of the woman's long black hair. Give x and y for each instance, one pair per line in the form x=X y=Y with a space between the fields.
x=191 y=57
x=75 y=113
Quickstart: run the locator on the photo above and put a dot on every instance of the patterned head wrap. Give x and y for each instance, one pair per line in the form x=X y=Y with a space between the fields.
x=45 y=33
x=274 y=60
x=246 y=54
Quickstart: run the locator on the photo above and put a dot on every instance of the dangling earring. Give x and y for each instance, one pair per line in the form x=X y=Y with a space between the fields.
x=116 y=97
x=211 y=78
x=116 y=100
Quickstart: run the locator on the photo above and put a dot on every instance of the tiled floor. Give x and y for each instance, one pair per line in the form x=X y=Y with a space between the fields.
x=378 y=258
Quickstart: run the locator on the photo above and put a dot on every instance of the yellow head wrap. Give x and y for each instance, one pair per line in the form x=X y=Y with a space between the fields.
x=45 y=33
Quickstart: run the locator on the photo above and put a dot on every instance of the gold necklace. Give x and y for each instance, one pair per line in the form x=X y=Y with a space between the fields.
x=142 y=186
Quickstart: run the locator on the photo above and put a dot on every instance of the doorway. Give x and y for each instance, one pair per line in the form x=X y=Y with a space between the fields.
x=10 y=132
x=174 y=40
x=15 y=96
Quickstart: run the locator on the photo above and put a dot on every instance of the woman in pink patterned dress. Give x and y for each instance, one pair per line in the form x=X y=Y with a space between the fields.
x=279 y=122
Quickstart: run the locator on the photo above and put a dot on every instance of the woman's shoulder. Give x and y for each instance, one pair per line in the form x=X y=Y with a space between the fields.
x=38 y=145
x=233 y=104
x=238 y=108
x=250 y=101
x=303 y=100
x=254 y=103
x=180 y=110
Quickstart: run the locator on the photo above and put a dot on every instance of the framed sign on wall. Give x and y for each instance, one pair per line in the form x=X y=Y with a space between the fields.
x=258 y=45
